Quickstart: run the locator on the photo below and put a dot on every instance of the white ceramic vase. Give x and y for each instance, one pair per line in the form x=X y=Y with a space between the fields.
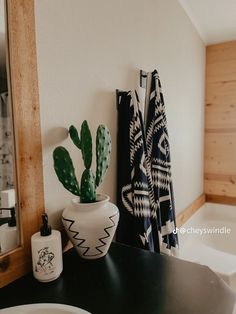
x=91 y=226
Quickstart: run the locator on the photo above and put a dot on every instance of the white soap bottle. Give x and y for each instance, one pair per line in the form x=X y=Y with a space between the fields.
x=46 y=253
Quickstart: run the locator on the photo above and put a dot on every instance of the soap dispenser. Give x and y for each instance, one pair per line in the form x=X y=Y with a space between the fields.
x=8 y=232
x=46 y=252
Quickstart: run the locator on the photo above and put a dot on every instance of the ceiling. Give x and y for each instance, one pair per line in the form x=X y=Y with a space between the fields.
x=215 y=20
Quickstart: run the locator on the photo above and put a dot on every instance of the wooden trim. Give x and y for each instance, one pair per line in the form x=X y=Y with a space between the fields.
x=190 y=210
x=26 y=121
x=221 y=199
x=231 y=178
x=220 y=130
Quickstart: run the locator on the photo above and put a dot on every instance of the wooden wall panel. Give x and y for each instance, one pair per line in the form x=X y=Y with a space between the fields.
x=219 y=116
x=220 y=154
x=220 y=122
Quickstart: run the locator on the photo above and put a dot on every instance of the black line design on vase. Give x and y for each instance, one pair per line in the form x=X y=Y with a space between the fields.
x=76 y=233
x=108 y=234
x=87 y=248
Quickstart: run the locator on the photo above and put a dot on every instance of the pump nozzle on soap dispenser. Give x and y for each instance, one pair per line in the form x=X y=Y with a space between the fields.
x=45 y=229
x=46 y=252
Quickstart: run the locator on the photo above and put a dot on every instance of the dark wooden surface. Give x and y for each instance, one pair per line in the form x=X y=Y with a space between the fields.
x=127 y=280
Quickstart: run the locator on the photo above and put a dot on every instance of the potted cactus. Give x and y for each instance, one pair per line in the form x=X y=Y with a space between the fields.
x=90 y=220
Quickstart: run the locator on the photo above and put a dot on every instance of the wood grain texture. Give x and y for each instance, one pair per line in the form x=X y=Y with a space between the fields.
x=220 y=121
x=26 y=121
x=190 y=210
x=221 y=199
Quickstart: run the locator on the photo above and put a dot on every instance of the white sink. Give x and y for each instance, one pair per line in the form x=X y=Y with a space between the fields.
x=43 y=308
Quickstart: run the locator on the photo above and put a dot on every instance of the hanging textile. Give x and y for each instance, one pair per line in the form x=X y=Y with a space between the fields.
x=144 y=187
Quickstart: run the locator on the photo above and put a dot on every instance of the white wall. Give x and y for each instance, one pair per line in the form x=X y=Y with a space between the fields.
x=2 y=17
x=2 y=41
x=87 y=49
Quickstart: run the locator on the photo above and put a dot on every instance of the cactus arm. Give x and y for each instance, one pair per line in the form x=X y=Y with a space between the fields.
x=103 y=152
x=75 y=136
x=88 y=188
x=86 y=144
x=65 y=170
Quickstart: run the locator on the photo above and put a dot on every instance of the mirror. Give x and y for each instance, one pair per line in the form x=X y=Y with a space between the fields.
x=26 y=133
x=9 y=236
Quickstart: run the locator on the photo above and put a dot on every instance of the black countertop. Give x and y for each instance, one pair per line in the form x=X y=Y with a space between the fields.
x=127 y=280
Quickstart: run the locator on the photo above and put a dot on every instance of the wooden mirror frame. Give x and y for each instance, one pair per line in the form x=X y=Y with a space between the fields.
x=26 y=124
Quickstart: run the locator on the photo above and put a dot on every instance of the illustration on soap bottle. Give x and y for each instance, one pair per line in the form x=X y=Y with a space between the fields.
x=45 y=261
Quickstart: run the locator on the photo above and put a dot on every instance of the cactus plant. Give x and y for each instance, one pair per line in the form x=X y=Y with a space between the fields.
x=64 y=168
